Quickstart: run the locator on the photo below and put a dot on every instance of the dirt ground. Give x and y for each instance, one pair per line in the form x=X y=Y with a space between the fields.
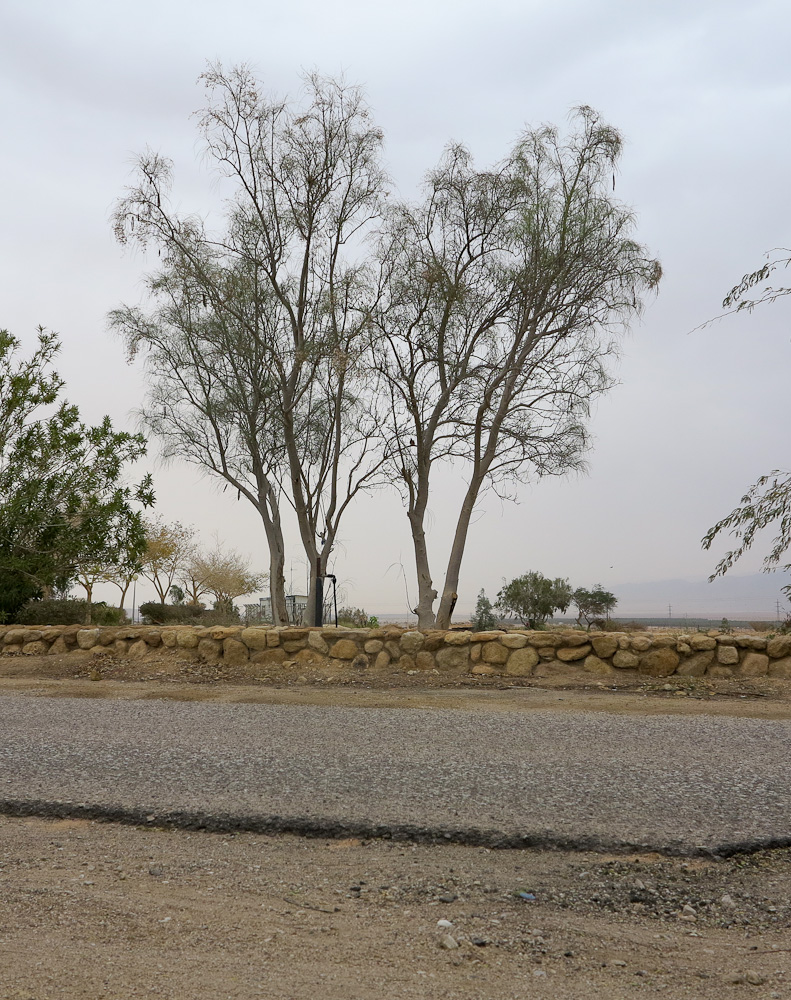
x=106 y=676
x=90 y=910
x=101 y=911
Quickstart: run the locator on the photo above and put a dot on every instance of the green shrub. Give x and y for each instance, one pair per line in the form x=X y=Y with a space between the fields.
x=356 y=618
x=154 y=613
x=69 y=611
x=483 y=618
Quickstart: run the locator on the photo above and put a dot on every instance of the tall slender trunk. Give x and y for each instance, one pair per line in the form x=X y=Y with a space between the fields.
x=449 y=591
x=425 y=586
x=270 y=516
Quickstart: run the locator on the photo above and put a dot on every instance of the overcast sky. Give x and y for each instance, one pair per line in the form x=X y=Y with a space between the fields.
x=702 y=94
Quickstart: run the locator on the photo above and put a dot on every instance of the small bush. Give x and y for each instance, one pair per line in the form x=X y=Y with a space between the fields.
x=154 y=613
x=484 y=617
x=69 y=611
x=356 y=618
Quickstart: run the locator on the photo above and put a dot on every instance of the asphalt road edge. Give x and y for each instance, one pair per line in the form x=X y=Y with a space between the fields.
x=334 y=829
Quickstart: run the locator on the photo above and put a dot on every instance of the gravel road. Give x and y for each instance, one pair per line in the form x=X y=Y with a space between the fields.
x=543 y=778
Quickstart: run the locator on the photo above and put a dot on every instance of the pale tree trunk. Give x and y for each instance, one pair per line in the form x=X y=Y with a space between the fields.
x=425 y=587
x=449 y=591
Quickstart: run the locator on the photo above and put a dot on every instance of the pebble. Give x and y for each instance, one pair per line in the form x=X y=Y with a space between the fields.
x=448 y=941
x=539 y=972
x=448 y=897
x=728 y=901
x=444 y=923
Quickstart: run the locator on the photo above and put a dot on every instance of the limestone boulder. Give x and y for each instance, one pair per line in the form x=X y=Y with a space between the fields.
x=606 y=646
x=406 y=663
x=514 y=640
x=522 y=662
x=453 y=658
x=659 y=662
x=697 y=664
x=574 y=639
x=255 y=638
x=58 y=647
x=494 y=652
x=483 y=670
x=344 y=649
x=14 y=636
x=210 y=650
x=120 y=647
x=268 y=657
x=754 y=665
x=487 y=636
x=311 y=656
x=424 y=660
x=360 y=662
x=778 y=647
x=87 y=638
x=235 y=652
x=593 y=664
x=702 y=642
x=168 y=637
x=35 y=648
x=433 y=640
x=781 y=667
x=625 y=660
x=374 y=646
x=137 y=650
x=319 y=643
x=188 y=638
x=571 y=653
x=382 y=661
x=728 y=656
x=544 y=640
x=640 y=643
x=412 y=642
x=756 y=642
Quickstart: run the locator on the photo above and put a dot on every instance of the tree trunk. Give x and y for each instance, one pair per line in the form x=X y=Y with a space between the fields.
x=425 y=587
x=449 y=591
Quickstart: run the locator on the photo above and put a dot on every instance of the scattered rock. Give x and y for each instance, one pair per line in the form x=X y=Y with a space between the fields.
x=448 y=941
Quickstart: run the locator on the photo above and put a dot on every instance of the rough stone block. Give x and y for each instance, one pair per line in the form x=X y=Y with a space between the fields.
x=453 y=658
x=659 y=662
x=458 y=638
x=728 y=656
x=697 y=664
x=780 y=668
x=87 y=638
x=315 y=641
x=35 y=648
x=547 y=653
x=187 y=638
x=360 y=662
x=373 y=646
x=406 y=662
x=494 y=652
x=777 y=647
x=210 y=650
x=544 y=639
x=625 y=660
x=267 y=656
x=754 y=665
x=483 y=670
x=756 y=642
x=522 y=662
x=702 y=642
x=344 y=649
x=137 y=650
x=433 y=640
x=411 y=642
x=475 y=652
x=120 y=647
x=514 y=640
x=58 y=647
x=168 y=636
x=568 y=639
x=487 y=636
x=255 y=638
x=235 y=652
x=382 y=661
x=726 y=640
x=294 y=645
x=424 y=660
x=605 y=646
x=15 y=637
x=596 y=665
x=717 y=670
x=640 y=643
x=567 y=654
x=31 y=635
x=311 y=656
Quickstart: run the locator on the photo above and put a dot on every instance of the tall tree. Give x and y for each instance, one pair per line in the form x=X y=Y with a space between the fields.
x=63 y=500
x=255 y=343
x=226 y=574
x=503 y=292
x=168 y=549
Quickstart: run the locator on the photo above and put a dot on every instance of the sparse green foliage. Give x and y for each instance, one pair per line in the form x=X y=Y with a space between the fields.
x=533 y=598
x=593 y=604
x=483 y=617
x=356 y=618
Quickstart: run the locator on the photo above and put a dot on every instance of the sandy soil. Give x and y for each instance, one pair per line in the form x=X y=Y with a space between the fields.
x=102 y=911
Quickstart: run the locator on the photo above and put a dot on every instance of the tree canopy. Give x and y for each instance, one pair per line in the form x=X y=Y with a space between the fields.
x=63 y=499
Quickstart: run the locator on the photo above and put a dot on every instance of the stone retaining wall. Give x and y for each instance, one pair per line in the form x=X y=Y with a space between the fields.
x=514 y=653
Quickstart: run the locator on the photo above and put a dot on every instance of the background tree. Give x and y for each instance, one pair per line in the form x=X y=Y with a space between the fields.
x=483 y=617
x=593 y=604
x=63 y=502
x=226 y=575
x=767 y=503
x=502 y=295
x=168 y=548
x=254 y=346
x=532 y=598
